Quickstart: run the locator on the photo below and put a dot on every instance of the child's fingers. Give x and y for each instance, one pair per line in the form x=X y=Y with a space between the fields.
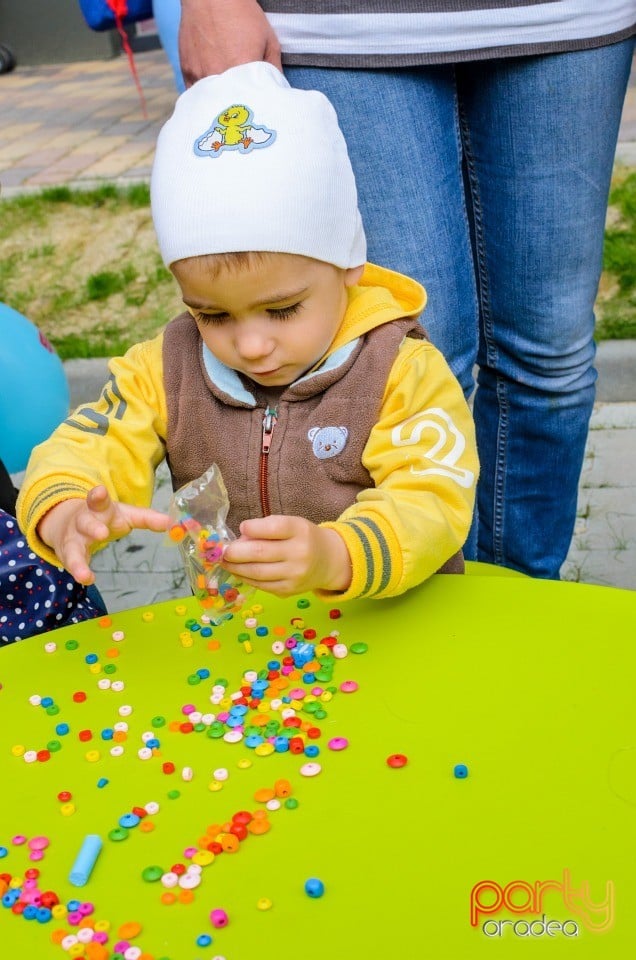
x=75 y=561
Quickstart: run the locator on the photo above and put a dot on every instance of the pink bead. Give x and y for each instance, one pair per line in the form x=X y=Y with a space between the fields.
x=86 y=908
x=36 y=855
x=38 y=843
x=338 y=743
x=349 y=686
x=219 y=918
x=188 y=708
x=189 y=852
x=101 y=937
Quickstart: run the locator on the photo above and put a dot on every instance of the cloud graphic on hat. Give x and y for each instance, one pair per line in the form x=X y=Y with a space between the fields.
x=232 y=130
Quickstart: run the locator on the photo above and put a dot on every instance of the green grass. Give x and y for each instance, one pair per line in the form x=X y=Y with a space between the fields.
x=617 y=309
x=84 y=266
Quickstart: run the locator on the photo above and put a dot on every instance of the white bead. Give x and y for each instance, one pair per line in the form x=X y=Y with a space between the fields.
x=233 y=736
x=117 y=750
x=117 y=686
x=187 y=773
x=152 y=807
x=170 y=879
x=144 y=753
x=339 y=651
x=125 y=710
x=221 y=773
x=103 y=683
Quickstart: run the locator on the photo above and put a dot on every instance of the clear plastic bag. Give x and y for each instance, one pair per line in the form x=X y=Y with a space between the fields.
x=198 y=512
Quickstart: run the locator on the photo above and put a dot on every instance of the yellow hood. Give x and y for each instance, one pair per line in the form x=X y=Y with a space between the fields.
x=382 y=295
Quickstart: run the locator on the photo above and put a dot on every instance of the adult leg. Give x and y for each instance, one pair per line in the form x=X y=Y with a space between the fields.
x=540 y=135
x=167 y=15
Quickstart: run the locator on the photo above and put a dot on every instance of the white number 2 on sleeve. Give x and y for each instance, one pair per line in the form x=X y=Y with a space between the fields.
x=447 y=444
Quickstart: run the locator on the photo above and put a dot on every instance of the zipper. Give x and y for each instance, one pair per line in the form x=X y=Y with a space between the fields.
x=269 y=422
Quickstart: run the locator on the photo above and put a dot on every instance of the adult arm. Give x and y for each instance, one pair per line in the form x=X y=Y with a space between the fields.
x=215 y=35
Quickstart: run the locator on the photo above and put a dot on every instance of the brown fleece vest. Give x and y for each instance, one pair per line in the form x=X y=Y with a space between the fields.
x=313 y=468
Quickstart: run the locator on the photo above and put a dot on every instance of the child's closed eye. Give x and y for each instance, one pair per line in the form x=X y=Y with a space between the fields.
x=284 y=313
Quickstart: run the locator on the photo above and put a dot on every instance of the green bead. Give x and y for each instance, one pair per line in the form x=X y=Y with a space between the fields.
x=53 y=710
x=194 y=679
x=221 y=682
x=303 y=603
x=216 y=730
x=71 y=644
x=242 y=637
x=119 y=833
x=110 y=668
x=174 y=794
x=158 y=721
x=320 y=714
x=199 y=727
x=358 y=647
x=151 y=874
x=53 y=746
x=291 y=803
x=324 y=675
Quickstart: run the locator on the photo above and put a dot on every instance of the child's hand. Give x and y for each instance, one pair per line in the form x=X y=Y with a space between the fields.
x=72 y=527
x=288 y=555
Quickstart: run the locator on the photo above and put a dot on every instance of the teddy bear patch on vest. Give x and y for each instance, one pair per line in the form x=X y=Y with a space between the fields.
x=327 y=442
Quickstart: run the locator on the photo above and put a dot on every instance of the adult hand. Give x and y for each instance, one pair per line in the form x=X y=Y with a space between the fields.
x=217 y=34
x=288 y=555
x=72 y=527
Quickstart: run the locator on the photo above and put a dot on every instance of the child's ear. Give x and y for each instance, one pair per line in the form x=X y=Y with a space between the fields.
x=353 y=274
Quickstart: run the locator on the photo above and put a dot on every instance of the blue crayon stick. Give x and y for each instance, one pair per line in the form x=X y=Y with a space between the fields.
x=85 y=861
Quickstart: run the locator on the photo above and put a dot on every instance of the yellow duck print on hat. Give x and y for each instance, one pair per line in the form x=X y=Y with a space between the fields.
x=232 y=130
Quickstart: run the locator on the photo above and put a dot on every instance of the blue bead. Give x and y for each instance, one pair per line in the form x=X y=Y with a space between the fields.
x=203 y=672
x=253 y=741
x=194 y=627
x=461 y=771
x=273 y=664
x=314 y=887
x=30 y=912
x=129 y=820
x=46 y=702
x=3 y=852
x=281 y=744
x=43 y=915
x=311 y=750
x=261 y=631
x=10 y=897
x=62 y=729
x=153 y=743
x=108 y=733
x=102 y=782
x=73 y=905
x=206 y=632
x=204 y=940
x=91 y=658
x=309 y=677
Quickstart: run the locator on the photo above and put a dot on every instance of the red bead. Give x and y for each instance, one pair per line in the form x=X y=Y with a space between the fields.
x=167 y=767
x=292 y=722
x=140 y=812
x=178 y=868
x=215 y=847
x=49 y=899
x=243 y=816
x=43 y=756
x=18 y=907
x=85 y=735
x=186 y=727
x=64 y=796
x=329 y=641
x=309 y=634
x=313 y=733
x=239 y=830
x=335 y=614
x=32 y=873
x=296 y=745
x=397 y=760
x=79 y=696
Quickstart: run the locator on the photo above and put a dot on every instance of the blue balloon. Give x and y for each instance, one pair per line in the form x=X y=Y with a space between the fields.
x=34 y=392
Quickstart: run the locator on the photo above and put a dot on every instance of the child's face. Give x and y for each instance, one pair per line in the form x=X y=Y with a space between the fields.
x=270 y=320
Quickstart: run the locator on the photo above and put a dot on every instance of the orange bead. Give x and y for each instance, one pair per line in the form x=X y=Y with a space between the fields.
x=120 y=736
x=58 y=935
x=186 y=896
x=168 y=898
x=258 y=826
x=105 y=621
x=283 y=788
x=96 y=951
x=112 y=652
x=229 y=842
x=129 y=930
x=176 y=533
x=146 y=826
x=214 y=645
x=264 y=794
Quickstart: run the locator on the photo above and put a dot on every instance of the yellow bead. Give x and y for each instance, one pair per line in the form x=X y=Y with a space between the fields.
x=67 y=809
x=244 y=763
x=263 y=707
x=264 y=903
x=147 y=616
x=77 y=950
x=18 y=750
x=181 y=609
x=93 y=756
x=102 y=926
x=59 y=911
x=264 y=749
x=16 y=882
x=326 y=696
x=215 y=786
x=247 y=646
x=95 y=668
x=203 y=857
x=257 y=608
x=186 y=638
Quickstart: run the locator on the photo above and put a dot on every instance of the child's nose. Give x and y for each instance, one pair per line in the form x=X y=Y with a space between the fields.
x=254 y=343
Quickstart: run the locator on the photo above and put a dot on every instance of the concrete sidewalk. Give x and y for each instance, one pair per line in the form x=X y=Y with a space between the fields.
x=82 y=123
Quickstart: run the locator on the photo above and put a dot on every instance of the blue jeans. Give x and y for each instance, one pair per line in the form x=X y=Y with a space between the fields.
x=167 y=16
x=488 y=183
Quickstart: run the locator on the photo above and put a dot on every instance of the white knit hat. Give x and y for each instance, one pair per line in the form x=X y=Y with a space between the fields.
x=247 y=162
